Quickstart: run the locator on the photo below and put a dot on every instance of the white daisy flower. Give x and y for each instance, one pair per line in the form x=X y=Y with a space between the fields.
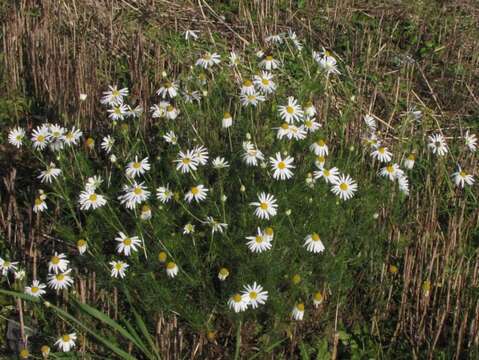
x=215 y=225
x=382 y=154
x=107 y=143
x=275 y=39
x=82 y=246
x=266 y=206
x=118 y=269
x=137 y=168
x=159 y=110
x=238 y=302
x=171 y=269
x=200 y=154
x=251 y=154
x=223 y=274
x=391 y=171
x=255 y=295
x=403 y=183
x=90 y=199
x=58 y=263
x=269 y=63
x=127 y=244
x=168 y=89
x=234 y=59
x=171 y=138
x=118 y=112
x=462 y=178
x=220 y=163
x=470 y=141
x=60 y=281
x=370 y=122
x=329 y=175
x=319 y=148
x=281 y=167
x=72 y=136
x=313 y=243
x=186 y=162
x=133 y=195
x=320 y=161
x=437 y=144
x=50 y=173
x=191 y=34
x=66 y=342
x=326 y=62
x=227 y=120
x=40 y=137
x=93 y=182
x=291 y=112
x=247 y=88
x=16 y=136
x=265 y=82
x=164 y=194
x=36 y=289
x=6 y=266
x=188 y=229
x=114 y=96
x=197 y=193
x=317 y=299
x=191 y=96
x=40 y=204
x=171 y=112
x=134 y=112
x=409 y=161
x=344 y=187
x=208 y=60
x=253 y=99
x=309 y=109
x=145 y=213
x=259 y=243
x=298 y=312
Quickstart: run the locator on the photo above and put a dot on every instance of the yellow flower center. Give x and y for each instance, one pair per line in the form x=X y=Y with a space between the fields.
x=265 y=82
x=318 y=296
x=251 y=97
x=269 y=58
x=258 y=239
x=127 y=242
x=138 y=190
x=136 y=165
x=60 y=277
x=171 y=265
x=6 y=264
x=253 y=295
x=40 y=138
x=170 y=108
x=45 y=349
x=90 y=141
x=207 y=57
x=296 y=279
x=268 y=231
x=195 y=190
x=308 y=123
x=411 y=157
x=168 y=84
x=462 y=174
x=66 y=338
x=55 y=134
x=224 y=272
x=321 y=142
x=162 y=256
x=326 y=172
x=226 y=115
x=300 y=307
x=117 y=110
x=19 y=137
x=118 y=266
x=24 y=354
x=263 y=205
x=115 y=93
x=186 y=161
x=81 y=243
x=290 y=109
x=35 y=289
x=55 y=260
x=92 y=197
x=285 y=126
x=381 y=150
x=315 y=237
x=247 y=83
x=390 y=169
x=38 y=201
x=343 y=186
x=321 y=159
x=237 y=298
x=281 y=165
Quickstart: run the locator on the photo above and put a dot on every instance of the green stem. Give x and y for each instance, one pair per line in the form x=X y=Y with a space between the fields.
x=238 y=341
